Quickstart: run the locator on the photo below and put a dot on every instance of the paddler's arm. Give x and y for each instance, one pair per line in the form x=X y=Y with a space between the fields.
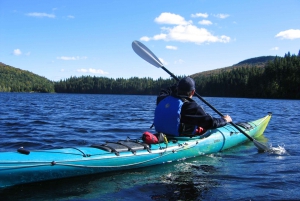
x=194 y=114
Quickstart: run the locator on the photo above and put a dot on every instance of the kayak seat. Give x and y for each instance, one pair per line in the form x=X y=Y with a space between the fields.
x=245 y=125
x=121 y=146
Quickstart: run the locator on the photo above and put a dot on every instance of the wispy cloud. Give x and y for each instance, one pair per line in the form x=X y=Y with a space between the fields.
x=71 y=58
x=145 y=38
x=17 y=52
x=180 y=61
x=205 y=22
x=70 y=17
x=275 y=48
x=92 y=70
x=182 y=30
x=41 y=15
x=222 y=16
x=171 y=47
x=204 y=15
x=289 y=34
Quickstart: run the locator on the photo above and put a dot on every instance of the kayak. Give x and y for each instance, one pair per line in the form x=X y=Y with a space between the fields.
x=27 y=166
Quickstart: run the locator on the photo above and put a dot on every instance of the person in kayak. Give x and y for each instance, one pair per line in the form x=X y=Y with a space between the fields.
x=177 y=114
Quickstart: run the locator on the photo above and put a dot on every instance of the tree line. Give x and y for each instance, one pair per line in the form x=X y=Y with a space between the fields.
x=278 y=78
x=103 y=85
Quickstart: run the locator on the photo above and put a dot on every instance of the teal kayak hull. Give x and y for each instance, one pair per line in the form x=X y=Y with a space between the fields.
x=22 y=167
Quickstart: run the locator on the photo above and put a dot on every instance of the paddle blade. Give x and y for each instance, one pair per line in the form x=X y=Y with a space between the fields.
x=261 y=147
x=146 y=54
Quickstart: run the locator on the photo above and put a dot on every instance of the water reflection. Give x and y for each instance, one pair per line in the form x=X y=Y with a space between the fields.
x=185 y=180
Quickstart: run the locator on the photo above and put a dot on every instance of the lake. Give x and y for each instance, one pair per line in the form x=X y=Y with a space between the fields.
x=47 y=121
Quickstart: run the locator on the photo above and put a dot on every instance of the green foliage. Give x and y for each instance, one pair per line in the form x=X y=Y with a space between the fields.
x=17 y=80
x=103 y=85
x=282 y=77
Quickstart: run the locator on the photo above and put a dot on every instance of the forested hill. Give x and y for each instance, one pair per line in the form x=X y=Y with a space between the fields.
x=16 y=80
x=276 y=79
x=253 y=62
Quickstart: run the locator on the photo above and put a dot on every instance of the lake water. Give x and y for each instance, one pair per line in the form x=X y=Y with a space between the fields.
x=46 y=121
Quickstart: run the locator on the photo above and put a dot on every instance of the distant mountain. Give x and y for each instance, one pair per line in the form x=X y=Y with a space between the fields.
x=257 y=61
x=16 y=80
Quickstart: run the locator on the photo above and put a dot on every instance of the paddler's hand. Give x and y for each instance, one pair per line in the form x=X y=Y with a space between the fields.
x=227 y=118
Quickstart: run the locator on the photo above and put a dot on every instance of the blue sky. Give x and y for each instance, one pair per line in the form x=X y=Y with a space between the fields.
x=58 y=39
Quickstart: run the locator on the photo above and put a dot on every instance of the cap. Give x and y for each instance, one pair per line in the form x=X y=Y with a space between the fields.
x=186 y=84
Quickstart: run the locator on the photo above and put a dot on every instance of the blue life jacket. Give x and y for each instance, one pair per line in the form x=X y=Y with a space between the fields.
x=167 y=116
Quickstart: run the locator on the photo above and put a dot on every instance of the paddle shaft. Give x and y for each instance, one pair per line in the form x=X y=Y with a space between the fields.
x=209 y=105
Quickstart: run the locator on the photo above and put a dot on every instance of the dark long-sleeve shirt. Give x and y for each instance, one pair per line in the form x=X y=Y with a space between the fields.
x=191 y=112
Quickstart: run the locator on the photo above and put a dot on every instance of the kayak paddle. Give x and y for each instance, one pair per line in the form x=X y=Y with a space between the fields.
x=146 y=54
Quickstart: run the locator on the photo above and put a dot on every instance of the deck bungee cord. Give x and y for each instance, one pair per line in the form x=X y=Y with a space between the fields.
x=63 y=163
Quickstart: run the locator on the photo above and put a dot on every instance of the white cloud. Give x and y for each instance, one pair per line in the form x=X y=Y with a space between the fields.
x=70 y=17
x=41 y=15
x=92 y=70
x=191 y=33
x=145 y=38
x=71 y=58
x=289 y=34
x=222 y=16
x=62 y=70
x=17 y=52
x=184 y=31
x=204 y=15
x=170 y=18
x=275 y=48
x=171 y=47
x=160 y=37
x=205 y=22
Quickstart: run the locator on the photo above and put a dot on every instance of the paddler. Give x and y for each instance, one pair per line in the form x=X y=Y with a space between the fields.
x=178 y=114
